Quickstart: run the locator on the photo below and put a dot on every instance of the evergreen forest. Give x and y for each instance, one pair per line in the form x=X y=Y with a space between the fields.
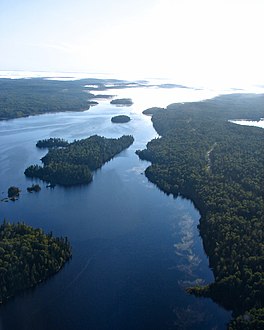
x=120 y=119
x=28 y=256
x=74 y=163
x=219 y=165
x=52 y=143
x=35 y=96
x=26 y=97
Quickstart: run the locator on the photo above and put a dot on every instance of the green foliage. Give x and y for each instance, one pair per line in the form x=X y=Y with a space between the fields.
x=251 y=320
x=120 y=119
x=28 y=257
x=25 y=97
x=52 y=143
x=65 y=174
x=73 y=164
x=220 y=166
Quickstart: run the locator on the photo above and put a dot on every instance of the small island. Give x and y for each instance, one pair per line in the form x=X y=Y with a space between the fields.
x=28 y=257
x=120 y=119
x=122 y=102
x=13 y=192
x=34 y=187
x=74 y=163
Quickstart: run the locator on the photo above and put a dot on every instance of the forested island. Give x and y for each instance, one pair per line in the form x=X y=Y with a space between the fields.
x=13 y=192
x=120 y=119
x=28 y=257
x=73 y=164
x=34 y=187
x=219 y=166
x=125 y=102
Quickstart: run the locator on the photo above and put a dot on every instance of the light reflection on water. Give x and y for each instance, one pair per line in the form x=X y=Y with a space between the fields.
x=259 y=123
x=146 y=97
x=135 y=249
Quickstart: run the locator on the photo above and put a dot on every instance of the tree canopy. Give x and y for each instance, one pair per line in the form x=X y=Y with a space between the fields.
x=220 y=166
x=28 y=257
x=25 y=97
x=52 y=143
x=72 y=164
x=120 y=119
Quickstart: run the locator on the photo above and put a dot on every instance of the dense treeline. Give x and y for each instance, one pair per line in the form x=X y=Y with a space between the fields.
x=64 y=174
x=220 y=166
x=120 y=119
x=28 y=257
x=73 y=164
x=25 y=97
x=125 y=102
x=252 y=320
x=51 y=143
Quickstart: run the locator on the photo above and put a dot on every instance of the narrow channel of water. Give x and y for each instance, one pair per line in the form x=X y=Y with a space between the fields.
x=135 y=249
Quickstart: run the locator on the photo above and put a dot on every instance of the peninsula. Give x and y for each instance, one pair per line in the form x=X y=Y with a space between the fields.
x=152 y=111
x=219 y=166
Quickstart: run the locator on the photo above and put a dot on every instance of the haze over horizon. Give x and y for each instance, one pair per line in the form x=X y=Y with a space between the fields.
x=205 y=41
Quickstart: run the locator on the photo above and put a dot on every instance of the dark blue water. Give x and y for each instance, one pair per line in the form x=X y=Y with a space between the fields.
x=135 y=249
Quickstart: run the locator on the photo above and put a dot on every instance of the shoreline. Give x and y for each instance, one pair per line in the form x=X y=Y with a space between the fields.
x=183 y=177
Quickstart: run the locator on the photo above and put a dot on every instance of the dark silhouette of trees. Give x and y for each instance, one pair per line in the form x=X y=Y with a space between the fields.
x=13 y=192
x=34 y=187
x=122 y=102
x=52 y=143
x=120 y=119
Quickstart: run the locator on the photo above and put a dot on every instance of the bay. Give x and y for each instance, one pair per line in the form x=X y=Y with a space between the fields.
x=135 y=249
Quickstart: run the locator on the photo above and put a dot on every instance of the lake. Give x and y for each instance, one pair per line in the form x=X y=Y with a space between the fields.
x=135 y=249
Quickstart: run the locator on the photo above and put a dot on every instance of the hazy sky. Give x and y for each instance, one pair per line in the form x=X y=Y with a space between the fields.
x=210 y=40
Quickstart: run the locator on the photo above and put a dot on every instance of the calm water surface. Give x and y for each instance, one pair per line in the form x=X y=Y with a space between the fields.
x=135 y=249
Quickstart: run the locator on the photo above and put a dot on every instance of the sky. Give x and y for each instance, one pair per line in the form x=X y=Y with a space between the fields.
x=217 y=41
